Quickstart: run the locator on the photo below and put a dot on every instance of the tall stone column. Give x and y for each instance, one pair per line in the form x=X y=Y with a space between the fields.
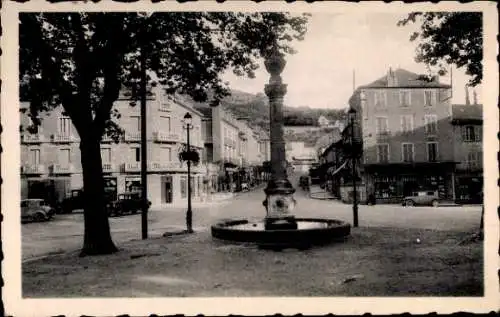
x=279 y=191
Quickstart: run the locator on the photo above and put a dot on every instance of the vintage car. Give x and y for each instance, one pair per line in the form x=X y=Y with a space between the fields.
x=74 y=201
x=35 y=210
x=126 y=203
x=422 y=198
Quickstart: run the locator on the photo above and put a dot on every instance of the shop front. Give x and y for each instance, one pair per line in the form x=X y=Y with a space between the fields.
x=392 y=182
x=469 y=189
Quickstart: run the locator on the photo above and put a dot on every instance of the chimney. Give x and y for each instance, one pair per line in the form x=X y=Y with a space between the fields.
x=474 y=94
x=391 y=78
x=467 y=98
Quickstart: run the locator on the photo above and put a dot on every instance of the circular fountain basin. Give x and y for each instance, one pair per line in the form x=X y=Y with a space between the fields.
x=309 y=232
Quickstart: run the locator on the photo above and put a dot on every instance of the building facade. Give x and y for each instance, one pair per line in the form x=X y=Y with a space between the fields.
x=404 y=121
x=467 y=121
x=51 y=164
x=234 y=151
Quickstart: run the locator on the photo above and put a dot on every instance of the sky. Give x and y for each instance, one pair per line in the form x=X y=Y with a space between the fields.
x=320 y=74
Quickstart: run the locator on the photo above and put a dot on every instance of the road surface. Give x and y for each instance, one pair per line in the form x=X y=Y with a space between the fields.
x=65 y=232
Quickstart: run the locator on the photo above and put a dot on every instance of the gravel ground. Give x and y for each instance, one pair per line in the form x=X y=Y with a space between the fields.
x=372 y=262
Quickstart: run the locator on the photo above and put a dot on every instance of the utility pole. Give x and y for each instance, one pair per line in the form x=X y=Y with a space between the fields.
x=352 y=114
x=144 y=179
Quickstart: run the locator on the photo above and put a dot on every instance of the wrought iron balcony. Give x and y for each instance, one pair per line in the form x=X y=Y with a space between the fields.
x=133 y=136
x=166 y=137
x=62 y=169
x=132 y=167
x=30 y=169
x=32 y=138
x=63 y=138
x=108 y=167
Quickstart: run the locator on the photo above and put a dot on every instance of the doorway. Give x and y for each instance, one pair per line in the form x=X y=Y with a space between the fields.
x=166 y=189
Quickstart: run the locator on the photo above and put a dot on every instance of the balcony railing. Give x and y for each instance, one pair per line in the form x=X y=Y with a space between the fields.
x=133 y=136
x=108 y=167
x=62 y=169
x=172 y=167
x=63 y=138
x=106 y=139
x=32 y=138
x=132 y=167
x=33 y=169
x=166 y=137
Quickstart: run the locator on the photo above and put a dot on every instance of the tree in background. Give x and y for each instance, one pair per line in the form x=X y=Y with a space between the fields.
x=81 y=61
x=449 y=38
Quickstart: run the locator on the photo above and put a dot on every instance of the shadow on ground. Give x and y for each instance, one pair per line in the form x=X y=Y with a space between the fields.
x=372 y=262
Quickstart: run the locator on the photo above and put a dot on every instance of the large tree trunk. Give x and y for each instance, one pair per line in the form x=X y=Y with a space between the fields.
x=97 y=236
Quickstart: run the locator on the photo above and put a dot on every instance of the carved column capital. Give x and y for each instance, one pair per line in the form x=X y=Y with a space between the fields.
x=274 y=91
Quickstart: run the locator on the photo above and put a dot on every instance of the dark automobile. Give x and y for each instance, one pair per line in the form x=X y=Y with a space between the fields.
x=422 y=198
x=74 y=201
x=126 y=203
x=35 y=210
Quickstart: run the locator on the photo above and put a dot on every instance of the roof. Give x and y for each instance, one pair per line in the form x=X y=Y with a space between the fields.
x=460 y=112
x=406 y=79
x=206 y=111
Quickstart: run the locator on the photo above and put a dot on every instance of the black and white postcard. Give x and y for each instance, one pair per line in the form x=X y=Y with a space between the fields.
x=251 y=158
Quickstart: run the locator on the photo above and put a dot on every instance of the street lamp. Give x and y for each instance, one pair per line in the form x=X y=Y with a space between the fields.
x=188 y=124
x=352 y=116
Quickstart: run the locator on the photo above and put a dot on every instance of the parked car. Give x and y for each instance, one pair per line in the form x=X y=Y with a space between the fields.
x=36 y=210
x=422 y=198
x=126 y=203
x=74 y=201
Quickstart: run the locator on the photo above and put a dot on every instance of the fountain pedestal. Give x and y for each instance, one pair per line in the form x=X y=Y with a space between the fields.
x=280 y=229
x=279 y=203
x=279 y=192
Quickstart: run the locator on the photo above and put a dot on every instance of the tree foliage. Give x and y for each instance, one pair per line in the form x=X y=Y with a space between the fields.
x=83 y=60
x=449 y=38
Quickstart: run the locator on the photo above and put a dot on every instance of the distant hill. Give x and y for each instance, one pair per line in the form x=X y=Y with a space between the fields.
x=255 y=107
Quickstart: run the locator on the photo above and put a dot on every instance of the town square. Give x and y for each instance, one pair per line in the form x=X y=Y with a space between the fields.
x=252 y=154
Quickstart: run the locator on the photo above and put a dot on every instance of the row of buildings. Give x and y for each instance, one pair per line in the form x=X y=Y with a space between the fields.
x=231 y=151
x=413 y=138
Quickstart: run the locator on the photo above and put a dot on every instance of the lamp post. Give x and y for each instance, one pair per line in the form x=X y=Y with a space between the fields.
x=352 y=116
x=188 y=119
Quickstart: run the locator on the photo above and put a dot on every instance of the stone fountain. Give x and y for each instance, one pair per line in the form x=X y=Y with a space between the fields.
x=280 y=228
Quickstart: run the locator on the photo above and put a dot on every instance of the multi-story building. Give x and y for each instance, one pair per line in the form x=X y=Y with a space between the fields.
x=51 y=156
x=232 y=148
x=404 y=121
x=467 y=121
x=300 y=156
